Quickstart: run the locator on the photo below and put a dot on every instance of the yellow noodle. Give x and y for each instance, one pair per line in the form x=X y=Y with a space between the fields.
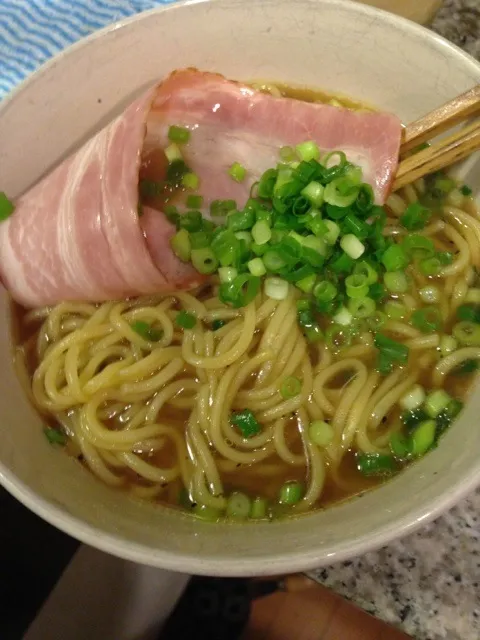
x=156 y=416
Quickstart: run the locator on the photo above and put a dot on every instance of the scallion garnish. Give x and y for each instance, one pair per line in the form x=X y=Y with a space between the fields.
x=375 y=464
x=237 y=172
x=415 y=217
x=246 y=423
x=54 y=436
x=180 y=135
x=6 y=207
x=146 y=331
x=185 y=320
x=290 y=387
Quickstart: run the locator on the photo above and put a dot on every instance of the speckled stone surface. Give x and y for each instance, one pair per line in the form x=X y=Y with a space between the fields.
x=459 y=21
x=429 y=583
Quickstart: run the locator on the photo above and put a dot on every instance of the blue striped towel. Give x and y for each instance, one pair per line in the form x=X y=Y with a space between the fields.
x=31 y=31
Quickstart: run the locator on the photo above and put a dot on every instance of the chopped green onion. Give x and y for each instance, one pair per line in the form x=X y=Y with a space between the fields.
x=245 y=237
x=365 y=199
x=325 y=291
x=396 y=281
x=273 y=260
x=377 y=321
x=199 y=239
x=261 y=232
x=418 y=246
x=276 y=288
x=361 y=307
x=375 y=464
x=173 y=153
x=395 y=310
x=241 y=291
x=175 y=170
x=321 y=433
x=180 y=135
x=191 y=221
x=415 y=217
x=241 y=220
x=6 y=207
x=190 y=181
x=467 y=333
x=377 y=291
x=194 y=202
x=394 y=350
x=258 y=249
x=340 y=192
x=307 y=284
x=287 y=154
x=343 y=317
x=332 y=233
x=307 y=151
x=446 y=417
x=363 y=268
x=341 y=162
x=238 y=506
x=256 y=267
x=436 y=402
x=429 y=294
x=356 y=286
x=395 y=258
x=400 y=446
x=54 y=436
x=427 y=320
x=291 y=493
x=237 y=172
x=431 y=266
x=466 y=191
x=423 y=437
x=352 y=246
x=181 y=246
x=227 y=274
x=218 y=324
x=448 y=344
x=412 y=419
x=310 y=327
x=220 y=208
x=259 y=509
x=353 y=224
x=469 y=312
x=290 y=387
x=413 y=399
x=246 y=423
x=207 y=513
x=313 y=192
x=146 y=331
x=204 y=260
x=185 y=320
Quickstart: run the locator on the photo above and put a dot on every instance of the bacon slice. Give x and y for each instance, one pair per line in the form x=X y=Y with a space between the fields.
x=231 y=122
x=77 y=235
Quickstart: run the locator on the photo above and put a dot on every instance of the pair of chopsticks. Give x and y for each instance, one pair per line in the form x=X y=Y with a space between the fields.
x=447 y=151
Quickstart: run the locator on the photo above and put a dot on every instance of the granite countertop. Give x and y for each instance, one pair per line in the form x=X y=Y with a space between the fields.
x=429 y=583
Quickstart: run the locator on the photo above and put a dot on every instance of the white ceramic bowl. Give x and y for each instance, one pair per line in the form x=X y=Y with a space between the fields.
x=340 y=46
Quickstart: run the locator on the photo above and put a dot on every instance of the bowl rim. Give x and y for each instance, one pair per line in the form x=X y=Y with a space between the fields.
x=226 y=565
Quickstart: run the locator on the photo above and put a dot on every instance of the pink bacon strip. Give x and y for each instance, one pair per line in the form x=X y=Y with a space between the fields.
x=76 y=235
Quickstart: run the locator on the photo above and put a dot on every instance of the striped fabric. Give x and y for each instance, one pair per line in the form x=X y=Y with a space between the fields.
x=31 y=31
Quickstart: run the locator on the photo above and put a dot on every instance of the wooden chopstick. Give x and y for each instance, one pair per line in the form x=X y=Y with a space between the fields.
x=447 y=151
x=441 y=119
x=438 y=156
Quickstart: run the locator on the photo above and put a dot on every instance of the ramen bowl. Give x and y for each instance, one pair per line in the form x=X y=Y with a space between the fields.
x=341 y=47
